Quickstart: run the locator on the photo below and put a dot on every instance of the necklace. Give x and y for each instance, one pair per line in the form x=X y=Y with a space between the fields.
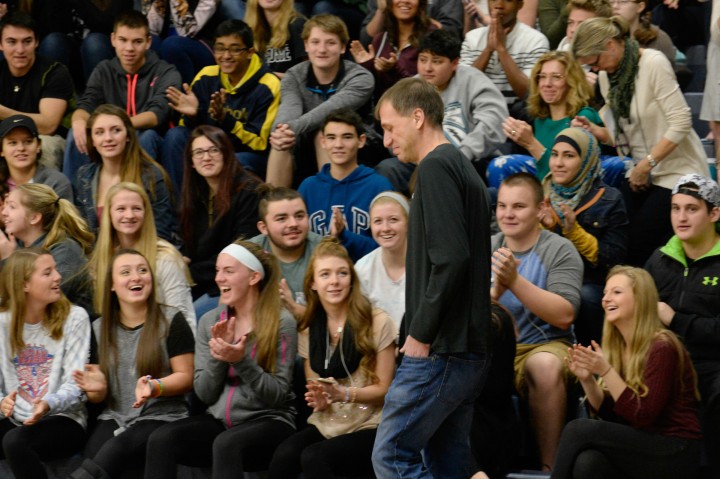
x=330 y=345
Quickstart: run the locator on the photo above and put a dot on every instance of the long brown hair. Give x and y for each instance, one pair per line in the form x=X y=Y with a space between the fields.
x=233 y=178
x=359 y=317
x=135 y=160
x=17 y=271
x=647 y=329
x=149 y=358
x=420 y=27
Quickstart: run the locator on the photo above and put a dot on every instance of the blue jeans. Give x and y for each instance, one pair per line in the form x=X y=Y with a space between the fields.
x=425 y=427
x=187 y=54
x=351 y=15
x=204 y=304
x=232 y=9
x=149 y=140
x=95 y=48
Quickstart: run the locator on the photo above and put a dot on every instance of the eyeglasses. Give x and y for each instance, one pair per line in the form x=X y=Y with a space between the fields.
x=552 y=78
x=597 y=60
x=621 y=2
x=234 y=51
x=199 y=153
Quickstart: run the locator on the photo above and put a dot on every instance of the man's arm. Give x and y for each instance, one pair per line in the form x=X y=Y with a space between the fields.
x=79 y=124
x=448 y=249
x=144 y=120
x=355 y=93
x=47 y=120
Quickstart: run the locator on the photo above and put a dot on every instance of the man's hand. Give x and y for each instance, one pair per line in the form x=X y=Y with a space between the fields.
x=283 y=138
x=185 y=102
x=415 y=349
x=80 y=135
x=504 y=265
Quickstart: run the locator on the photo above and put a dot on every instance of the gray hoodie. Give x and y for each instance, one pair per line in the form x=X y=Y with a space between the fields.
x=243 y=391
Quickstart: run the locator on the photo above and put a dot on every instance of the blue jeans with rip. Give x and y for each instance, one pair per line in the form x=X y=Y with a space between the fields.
x=424 y=432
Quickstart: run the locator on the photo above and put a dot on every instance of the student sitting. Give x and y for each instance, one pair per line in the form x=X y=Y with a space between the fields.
x=349 y=355
x=43 y=338
x=338 y=197
x=686 y=272
x=243 y=372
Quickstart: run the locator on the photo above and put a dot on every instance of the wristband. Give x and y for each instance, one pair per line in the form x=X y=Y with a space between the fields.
x=347 y=395
x=161 y=388
x=606 y=371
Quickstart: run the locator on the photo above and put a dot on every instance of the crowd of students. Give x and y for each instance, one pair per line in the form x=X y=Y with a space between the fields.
x=193 y=205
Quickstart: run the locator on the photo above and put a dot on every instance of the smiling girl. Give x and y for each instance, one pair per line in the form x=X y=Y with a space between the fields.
x=128 y=222
x=145 y=367
x=34 y=215
x=349 y=354
x=243 y=373
x=219 y=204
x=642 y=384
x=382 y=272
x=590 y=214
x=116 y=156
x=44 y=338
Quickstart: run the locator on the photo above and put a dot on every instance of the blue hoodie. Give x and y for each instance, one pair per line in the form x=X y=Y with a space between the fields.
x=352 y=195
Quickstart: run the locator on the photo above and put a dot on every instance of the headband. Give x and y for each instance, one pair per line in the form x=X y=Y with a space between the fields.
x=393 y=196
x=569 y=141
x=245 y=257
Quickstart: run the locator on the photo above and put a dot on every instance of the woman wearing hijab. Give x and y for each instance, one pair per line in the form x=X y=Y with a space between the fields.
x=590 y=214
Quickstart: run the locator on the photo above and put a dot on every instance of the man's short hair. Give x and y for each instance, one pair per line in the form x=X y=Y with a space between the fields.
x=238 y=28
x=411 y=93
x=328 y=24
x=442 y=43
x=601 y=8
x=347 y=116
x=526 y=179
x=19 y=19
x=270 y=194
x=132 y=19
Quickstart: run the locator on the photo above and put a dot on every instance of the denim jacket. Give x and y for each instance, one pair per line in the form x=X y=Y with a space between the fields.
x=602 y=214
x=85 y=190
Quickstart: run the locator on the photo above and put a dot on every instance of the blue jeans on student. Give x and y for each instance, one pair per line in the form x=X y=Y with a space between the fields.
x=232 y=9
x=150 y=141
x=424 y=432
x=187 y=54
x=95 y=48
x=204 y=304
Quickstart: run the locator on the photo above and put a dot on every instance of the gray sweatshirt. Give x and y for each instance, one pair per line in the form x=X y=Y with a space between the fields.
x=243 y=391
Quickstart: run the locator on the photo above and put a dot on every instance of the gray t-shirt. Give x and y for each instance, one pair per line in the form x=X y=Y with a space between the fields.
x=554 y=265
x=294 y=273
x=179 y=340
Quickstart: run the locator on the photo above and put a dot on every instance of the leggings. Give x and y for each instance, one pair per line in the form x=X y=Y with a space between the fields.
x=117 y=454
x=592 y=449
x=318 y=458
x=204 y=440
x=24 y=447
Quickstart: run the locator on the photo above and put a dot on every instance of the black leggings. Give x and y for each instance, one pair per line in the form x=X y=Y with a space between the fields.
x=24 y=447
x=309 y=452
x=203 y=440
x=126 y=451
x=592 y=449
x=650 y=226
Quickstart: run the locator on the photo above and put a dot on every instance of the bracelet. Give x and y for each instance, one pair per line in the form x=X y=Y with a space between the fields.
x=347 y=395
x=354 y=394
x=161 y=387
x=606 y=371
x=152 y=386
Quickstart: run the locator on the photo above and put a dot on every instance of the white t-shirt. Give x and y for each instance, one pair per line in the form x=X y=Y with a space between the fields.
x=383 y=292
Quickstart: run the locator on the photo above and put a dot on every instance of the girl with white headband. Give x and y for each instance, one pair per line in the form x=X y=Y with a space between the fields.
x=382 y=272
x=245 y=353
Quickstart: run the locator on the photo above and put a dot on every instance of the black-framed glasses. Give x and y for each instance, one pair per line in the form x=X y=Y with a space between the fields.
x=234 y=51
x=199 y=153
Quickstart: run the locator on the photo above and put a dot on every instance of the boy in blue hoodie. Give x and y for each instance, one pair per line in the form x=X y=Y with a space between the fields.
x=338 y=196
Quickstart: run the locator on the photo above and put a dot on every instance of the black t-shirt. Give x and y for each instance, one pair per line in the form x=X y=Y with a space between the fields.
x=46 y=79
x=293 y=52
x=180 y=339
